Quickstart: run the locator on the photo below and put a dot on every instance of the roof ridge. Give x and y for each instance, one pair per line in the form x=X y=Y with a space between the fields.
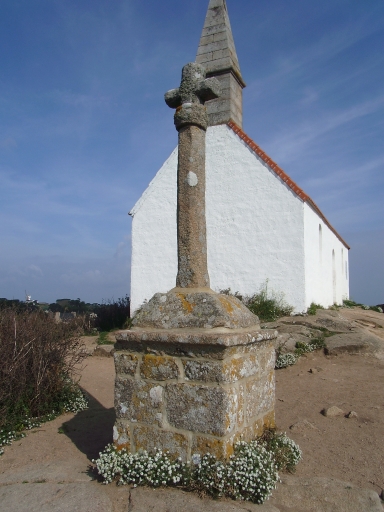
x=283 y=175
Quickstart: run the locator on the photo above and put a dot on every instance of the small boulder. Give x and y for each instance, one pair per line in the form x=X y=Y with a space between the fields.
x=332 y=412
x=302 y=425
x=352 y=414
x=106 y=351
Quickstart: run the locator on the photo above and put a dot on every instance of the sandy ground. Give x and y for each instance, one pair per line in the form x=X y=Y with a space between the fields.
x=346 y=449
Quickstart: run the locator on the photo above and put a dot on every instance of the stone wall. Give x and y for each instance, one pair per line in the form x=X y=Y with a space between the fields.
x=192 y=398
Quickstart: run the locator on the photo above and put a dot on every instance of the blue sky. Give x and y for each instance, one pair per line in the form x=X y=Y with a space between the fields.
x=84 y=126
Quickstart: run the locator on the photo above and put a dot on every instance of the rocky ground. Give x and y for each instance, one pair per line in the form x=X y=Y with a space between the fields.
x=342 y=466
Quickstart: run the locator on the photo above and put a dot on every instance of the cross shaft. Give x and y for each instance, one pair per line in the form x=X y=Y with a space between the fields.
x=191 y=121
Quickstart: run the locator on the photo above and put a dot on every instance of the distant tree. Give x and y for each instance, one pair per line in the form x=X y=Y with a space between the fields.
x=56 y=308
x=112 y=314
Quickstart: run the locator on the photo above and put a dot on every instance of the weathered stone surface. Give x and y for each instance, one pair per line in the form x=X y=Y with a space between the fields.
x=191 y=121
x=333 y=321
x=201 y=309
x=143 y=499
x=125 y=363
x=52 y=497
x=191 y=223
x=230 y=370
x=122 y=435
x=241 y=367
x=260 y=395
x=354 y=343
x=268 y=356
x=213 y=385
x=323 y=494
x=222 y=448
x=209 y=410
x=150 y=438
x=255 y=428
x=218 y=55
x=290 y=334
x=158 y=368
x=313 y=325
x=105 y=351
x=204 y=371
x=203 y=343
x=137 y=400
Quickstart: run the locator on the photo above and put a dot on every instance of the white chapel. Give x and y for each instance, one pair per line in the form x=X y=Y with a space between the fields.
x=260 y=224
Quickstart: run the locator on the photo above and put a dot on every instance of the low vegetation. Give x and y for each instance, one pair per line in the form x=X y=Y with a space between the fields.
x=289 y=358
x=266 y=304
x=313 y=308
x=351 y=304
x=39 y=358
x=113 y=314
x=250 y=474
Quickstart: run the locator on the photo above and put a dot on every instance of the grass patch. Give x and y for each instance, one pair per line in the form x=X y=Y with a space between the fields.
x=266 y=304
x=103 y=339
x=313 y=308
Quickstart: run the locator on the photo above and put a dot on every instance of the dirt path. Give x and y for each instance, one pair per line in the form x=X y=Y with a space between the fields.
x=348 y=449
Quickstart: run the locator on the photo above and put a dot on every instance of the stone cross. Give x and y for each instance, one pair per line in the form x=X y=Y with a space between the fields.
x=191 y=121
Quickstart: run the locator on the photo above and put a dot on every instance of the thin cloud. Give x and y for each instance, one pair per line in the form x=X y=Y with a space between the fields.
x=313 y=56
x=292 y=142
x=35 y=270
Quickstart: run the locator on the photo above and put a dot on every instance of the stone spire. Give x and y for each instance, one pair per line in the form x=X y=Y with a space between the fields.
x=217 y=53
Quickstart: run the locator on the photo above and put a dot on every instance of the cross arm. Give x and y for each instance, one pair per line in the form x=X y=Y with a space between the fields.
x=209 y=89
x=173 y=98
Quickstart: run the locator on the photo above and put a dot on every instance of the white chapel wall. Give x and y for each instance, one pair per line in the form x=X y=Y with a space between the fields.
x=255 y=226
x=326 y=262
x=154 y=236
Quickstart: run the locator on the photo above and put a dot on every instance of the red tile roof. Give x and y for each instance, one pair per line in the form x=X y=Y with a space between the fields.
x=283 y=176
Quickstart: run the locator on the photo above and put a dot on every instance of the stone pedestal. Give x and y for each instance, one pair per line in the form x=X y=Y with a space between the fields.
x=193 y=390
x=196 y=373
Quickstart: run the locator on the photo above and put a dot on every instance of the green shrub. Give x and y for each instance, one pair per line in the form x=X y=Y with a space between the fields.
x=350 y=303
x=72 y=399
x=38 y=359
x=303 y=348
x=378 y=309
x=313 y=308
x=103 y=339
x=113 y=314
x=317 y=343
x=268 y=306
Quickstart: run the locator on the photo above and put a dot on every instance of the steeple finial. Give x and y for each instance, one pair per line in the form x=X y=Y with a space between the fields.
x=217 y=53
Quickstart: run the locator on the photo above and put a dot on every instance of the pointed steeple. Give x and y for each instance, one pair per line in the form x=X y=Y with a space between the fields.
x=217 y=53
